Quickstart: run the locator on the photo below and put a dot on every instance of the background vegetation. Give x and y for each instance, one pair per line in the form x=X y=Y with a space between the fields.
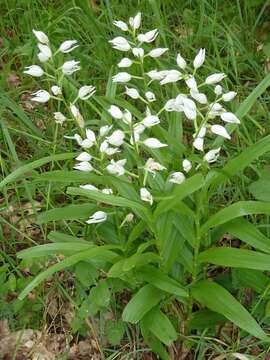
x=237 y=38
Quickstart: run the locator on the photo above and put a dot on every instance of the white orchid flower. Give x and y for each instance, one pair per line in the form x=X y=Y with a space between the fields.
x=97 y=217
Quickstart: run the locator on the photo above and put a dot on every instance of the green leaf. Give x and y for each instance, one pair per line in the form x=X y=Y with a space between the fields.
x=16 y=174
x=94 y=253
x=100 y=295
x=261 y=189
x=65 y=176
x=241 y=208
x=143 y=301
x=159 y=324
x=17 y=110
x=115 y=331
x=69 y=212
x=217 y=299
x=180 y=192
x=136 y=260
x=161 y=281
x=241 y=161
x=235 y=258
x=154 y=344
x=86 y=273
x=56 y=236
x=52 y=249
x=248 y=233
x=253 y=279
x=204 y=319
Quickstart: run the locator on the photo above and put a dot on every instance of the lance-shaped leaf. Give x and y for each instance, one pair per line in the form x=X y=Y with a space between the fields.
x=248 y=233
x=93 y=253
x=159 y=324
x=217 y=299
x=241 y=208
x=241 y=258
x=142 y=302
x=18 y=173
x=69 y=212
x=181 y=191
x=52 y=249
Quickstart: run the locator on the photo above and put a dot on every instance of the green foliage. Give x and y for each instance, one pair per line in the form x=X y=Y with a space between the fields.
x=180 y=269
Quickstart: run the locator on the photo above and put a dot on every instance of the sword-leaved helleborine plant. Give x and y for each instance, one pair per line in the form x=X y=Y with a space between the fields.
x=144 y=176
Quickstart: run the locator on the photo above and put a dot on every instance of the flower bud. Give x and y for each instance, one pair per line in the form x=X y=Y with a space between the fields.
x=150 y=121
x=84 y=156
x=138 y=128
x=133 y=93
x=171 y=77
x=148 y=37
x=138 y=52
x=199 y=59
x=121 y=25
x=155 y=53
x=59 y=118
x=177 y=177
x=45 y=50
x=187 y=165
x=115 y=112
x=85 y=92
x=42 y=38
x=83 y=166
x=212 y=155
x=77 y=115
x=191 y=83
x=230 y=118
x=41 y=96
x=42 y=57
x=181 y=62
x=150 y=96
x=34 y=70
x=97 y=217
x=200 y=97
x=124 y=63
x=104 y=130
x=56 y=90
x=155 y=75
x=120 y=43
x=221 y=131
x=214 y=78
x=107 y=191
x=127 y=117
x=69 y=67
x=154 y=143
x=218 y=90
x=202 y=132
x=189 y=108
x=170 y=105
x=153 y=166
x=129 y=217
x=116 y=138
x=89 y=187
x=68 y=45
x=116 y=167
x=145 y=195
x=121 y=77
x=229 y=96
x=135 y=22
x=198 y=143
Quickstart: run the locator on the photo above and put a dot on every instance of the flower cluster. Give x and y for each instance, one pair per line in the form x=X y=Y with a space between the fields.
x=131 y=144
x=46 y=56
